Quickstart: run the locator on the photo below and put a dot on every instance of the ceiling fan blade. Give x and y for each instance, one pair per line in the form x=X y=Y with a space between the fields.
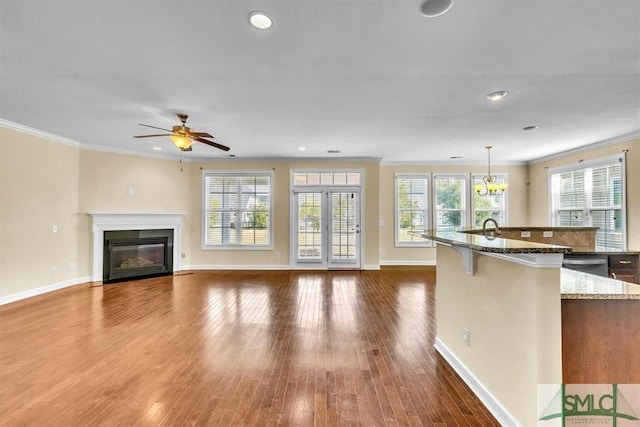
x=201 y=135
x=213 y=144
x=153 y=136
x=155 y=127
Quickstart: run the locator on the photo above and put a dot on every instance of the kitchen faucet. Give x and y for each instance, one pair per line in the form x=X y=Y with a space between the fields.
x=495 y=223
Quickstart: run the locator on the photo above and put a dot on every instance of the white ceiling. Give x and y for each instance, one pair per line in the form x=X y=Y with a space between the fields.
x=371 y=78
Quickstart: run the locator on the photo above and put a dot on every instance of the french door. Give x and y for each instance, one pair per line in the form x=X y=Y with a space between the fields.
x=326 y=227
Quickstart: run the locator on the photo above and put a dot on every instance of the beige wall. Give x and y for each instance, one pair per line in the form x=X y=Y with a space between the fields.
x=539 y=186
x=38 y=189
x=278 y=257
x=390 y=254
x=158 y=186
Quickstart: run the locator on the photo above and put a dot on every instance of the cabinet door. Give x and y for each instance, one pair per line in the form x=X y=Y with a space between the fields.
x=624 y=267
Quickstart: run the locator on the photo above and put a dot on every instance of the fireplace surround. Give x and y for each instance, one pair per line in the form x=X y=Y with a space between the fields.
x=103 y=222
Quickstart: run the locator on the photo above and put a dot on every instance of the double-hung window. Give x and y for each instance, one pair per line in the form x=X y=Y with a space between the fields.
x=237 y=209
x=592 y=194
x=412 y=208
x=450 y=207
x=488 y=206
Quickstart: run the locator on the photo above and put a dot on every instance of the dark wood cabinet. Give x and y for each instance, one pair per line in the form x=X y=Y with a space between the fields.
x=624 y=267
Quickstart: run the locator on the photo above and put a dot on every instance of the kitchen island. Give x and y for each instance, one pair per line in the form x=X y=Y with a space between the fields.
x=499 y=317
x=600 y=329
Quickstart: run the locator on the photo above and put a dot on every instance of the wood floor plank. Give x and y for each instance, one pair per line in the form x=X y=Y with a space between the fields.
x=234 y=348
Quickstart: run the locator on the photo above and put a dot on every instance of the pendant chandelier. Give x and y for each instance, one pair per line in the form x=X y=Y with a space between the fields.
x=491 y=186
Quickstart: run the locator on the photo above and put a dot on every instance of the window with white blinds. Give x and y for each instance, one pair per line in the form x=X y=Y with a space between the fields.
x=450 y=209
x=592 y=195
x=412 y=209
x=237 y=209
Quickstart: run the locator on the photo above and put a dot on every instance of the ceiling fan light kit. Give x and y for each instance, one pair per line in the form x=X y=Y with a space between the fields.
x=182 y=142
x=183 y=137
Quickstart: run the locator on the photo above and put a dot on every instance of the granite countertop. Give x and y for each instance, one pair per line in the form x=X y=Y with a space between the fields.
x=538 y=228
x=582 y=251
x=461 y=237
x=579 y=285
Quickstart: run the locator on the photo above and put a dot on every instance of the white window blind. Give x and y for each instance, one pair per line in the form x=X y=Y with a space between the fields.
x=238 y=209
x=592 y=195
x=450 y=211
x=412 y=209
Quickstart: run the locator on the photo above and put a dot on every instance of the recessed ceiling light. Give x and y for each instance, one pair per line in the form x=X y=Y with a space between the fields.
x=333 y=151
x=497 y=96
x=260 y=20
x=532 y=127
x=455 y=157
x=302 y=148
x=433 y=8
x=232 y=155
x=157 y=148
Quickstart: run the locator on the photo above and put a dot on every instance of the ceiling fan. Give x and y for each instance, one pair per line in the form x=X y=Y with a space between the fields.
x=183 y=137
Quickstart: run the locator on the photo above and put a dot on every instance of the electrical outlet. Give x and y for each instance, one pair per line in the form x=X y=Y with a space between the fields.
x=466 y=336
x=130 y=191
x=525 y=234
x=54 y=228
x=277 y=255
x=547 y=234
x=184 y=255
x=54 y=270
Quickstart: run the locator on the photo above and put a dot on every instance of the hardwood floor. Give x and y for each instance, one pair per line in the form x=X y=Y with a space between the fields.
x=233 y=348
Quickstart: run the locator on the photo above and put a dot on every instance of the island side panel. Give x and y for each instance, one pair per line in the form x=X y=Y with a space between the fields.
x=513 y=314
x=601 y=341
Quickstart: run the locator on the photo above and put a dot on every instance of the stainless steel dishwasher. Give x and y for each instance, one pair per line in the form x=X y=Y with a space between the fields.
x=588 y=263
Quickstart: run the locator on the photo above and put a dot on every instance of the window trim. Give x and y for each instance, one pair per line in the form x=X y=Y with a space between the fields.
x=427 y=213
x=465 y=198
x=236 y=246
x=591 y=163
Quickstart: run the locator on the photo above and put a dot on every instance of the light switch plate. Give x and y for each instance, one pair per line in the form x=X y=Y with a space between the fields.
x=525 y=234
x=547 y=234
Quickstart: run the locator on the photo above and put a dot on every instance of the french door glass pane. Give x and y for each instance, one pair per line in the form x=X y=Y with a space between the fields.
x=343 y=221
x=309 y=226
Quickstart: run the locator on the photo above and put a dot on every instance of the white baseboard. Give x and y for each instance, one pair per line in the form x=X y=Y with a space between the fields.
x=493 y=405
x=410 y=263
x=260 y=267
x=236 y=267
x=43 y=290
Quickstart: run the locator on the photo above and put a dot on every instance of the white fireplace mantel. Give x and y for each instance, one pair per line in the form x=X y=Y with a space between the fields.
x=132 y=221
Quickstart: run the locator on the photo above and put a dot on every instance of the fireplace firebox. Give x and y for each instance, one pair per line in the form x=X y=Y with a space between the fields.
x=133 y=254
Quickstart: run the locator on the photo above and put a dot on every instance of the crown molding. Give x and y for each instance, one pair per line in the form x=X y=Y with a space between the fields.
x=449 y=163
x=627 y=137
x=231 y=160
x=152 y=155
x=41 y=134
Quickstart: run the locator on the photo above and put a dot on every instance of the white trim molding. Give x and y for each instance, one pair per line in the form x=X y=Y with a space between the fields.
x=239 y=267
x=492 y=404
x=132 y=221
x=409 y=263
x=43 y=290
